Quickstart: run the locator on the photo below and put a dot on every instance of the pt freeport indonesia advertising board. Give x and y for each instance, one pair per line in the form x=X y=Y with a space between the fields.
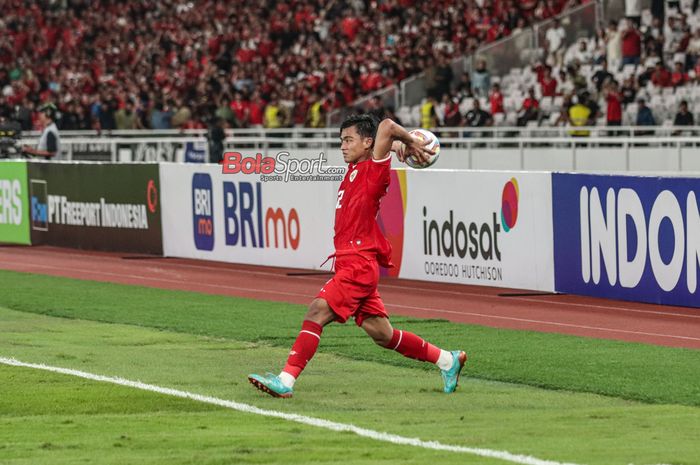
x=99 y=206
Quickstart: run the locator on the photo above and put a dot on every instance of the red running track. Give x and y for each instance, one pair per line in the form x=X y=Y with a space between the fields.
x=566 y=314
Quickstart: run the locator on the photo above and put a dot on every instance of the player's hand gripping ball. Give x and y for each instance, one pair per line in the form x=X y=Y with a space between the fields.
x=433 y=144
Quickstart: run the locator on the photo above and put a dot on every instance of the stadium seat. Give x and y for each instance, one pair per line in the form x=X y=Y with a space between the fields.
x=466 y=105
x=546 y=104
x=628 y=70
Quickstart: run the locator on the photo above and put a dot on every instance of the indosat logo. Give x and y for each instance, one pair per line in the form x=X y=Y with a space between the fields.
x=509 y=204
x=245 y=225
x=475 y=240
x=667 y=238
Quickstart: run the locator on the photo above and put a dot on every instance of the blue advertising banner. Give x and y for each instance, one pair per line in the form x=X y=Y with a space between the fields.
x=627 y=237
x=196 y=152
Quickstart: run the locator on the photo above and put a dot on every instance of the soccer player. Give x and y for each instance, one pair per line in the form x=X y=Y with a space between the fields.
x=360 y=248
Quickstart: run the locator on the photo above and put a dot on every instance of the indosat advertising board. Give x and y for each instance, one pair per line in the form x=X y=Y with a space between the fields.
x=483 y=228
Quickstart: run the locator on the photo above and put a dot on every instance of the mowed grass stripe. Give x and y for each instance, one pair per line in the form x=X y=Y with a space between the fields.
x=305 y=420
x=559 y=425
x=626 y=370
x=54 y=419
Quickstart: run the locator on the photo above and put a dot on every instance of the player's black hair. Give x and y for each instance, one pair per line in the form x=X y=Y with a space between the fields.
x=366 y=125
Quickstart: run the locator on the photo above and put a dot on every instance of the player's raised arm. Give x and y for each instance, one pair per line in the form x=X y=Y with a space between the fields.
x=388 y=132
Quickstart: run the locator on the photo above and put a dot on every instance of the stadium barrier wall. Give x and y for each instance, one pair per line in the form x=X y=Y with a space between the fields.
x=14 y=203
x=479 y=228
x=627 y=237
x=112 y=207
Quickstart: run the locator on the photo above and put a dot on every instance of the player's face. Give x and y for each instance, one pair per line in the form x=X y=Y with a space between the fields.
x=355 y=148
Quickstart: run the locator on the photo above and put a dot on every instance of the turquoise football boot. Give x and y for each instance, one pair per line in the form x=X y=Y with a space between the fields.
x=271 y=384
x=451 y=376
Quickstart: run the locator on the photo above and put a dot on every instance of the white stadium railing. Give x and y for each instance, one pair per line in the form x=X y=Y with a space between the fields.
x=517 y=148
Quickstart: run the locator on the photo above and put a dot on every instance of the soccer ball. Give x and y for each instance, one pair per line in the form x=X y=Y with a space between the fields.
x=434 y=145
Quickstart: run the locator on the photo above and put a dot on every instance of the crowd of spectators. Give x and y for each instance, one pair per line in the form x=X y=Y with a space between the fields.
x=134 y=64
x=639 y=71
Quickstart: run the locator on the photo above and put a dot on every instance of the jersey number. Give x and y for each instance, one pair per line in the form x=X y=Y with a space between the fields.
x=340 y=197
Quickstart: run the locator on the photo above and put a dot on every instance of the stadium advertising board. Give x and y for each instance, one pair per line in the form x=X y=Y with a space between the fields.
x=91 y=151
x=196 y=152
x=627 y=237
x=240 y=218
x=112 y=207
x=14 y=203
x=483 y=228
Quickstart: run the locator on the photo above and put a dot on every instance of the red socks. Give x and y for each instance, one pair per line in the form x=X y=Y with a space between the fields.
x=406 y=343
x=412 y=346
x=304 y=348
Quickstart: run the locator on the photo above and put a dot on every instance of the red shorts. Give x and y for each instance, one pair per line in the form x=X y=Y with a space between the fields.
x=353 y=289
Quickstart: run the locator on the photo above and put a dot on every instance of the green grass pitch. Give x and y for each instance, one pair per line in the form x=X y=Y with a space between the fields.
x=554 y=397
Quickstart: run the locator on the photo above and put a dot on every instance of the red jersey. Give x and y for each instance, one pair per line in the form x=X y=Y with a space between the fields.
x=614 y=107
x=496 y=103
x=359 y=195
x=548 y=87
x=631 y=44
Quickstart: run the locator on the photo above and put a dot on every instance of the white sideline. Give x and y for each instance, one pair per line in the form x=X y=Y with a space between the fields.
x=318 y=422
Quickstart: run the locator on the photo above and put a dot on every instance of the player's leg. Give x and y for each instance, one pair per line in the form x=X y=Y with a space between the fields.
x=304 y=348
x=412 y=346
x=404 y=342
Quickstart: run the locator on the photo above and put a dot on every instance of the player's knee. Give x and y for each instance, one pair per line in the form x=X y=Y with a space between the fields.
x=319 y=312
x=382 y=340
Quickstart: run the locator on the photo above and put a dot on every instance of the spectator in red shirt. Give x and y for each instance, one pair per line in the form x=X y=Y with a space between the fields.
x=350 y=25
x=631 y=45
x=530 y=109
x=452 y=117
x=548 y=85
x=613 y=98
x=496 y=100
x=661 y=77
x=373 y=80
x=240 y=110
x=679 y=77
x=256 y=108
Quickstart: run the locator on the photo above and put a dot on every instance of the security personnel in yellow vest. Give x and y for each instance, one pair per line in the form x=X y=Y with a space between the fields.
x=315 y=116
x=273 y=116
x=580 y=115
x=428 y=116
